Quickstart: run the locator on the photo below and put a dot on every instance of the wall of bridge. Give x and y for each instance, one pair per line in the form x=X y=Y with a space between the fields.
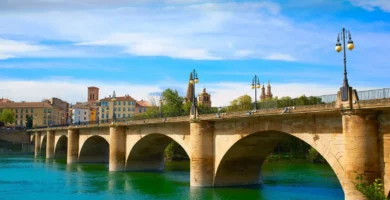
x=384 y=149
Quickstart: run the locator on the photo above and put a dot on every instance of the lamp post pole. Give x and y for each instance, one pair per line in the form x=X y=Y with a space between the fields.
x=344 y=34
x=255 y=85
x=161 y=101
x=113 y=110
x=194 y=81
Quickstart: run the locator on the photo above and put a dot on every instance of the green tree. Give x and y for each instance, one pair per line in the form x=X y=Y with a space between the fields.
x=172 y=103
x=7 y=116
x=242 y=103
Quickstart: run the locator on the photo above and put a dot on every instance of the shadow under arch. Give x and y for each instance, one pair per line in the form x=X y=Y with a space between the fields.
x=61 y=147
x=43 y=146
x=241 y=164
x=95 y=150
x=148 y=153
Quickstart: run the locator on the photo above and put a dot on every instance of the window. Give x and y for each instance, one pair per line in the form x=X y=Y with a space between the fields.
x=144 y=109
x=49 y=110
x=107 y=116
x=128 y=103
x=85 y=113
x=16 y=110
x=128 y=115
x=140 y=110
x=102 y=116
x=119 y=103
x=26 y=116
x=132 y=109
x=102 y=109
x=44 y=121
x=85 y=118
x=118 y=115
x=26 y=110
x=128 y=109
x=114 y=109
x=32 y=110
x=16 y=116
x=21 y=110
x=119 y=109
x=44 y=110
x=44 y=116
x=114 y=103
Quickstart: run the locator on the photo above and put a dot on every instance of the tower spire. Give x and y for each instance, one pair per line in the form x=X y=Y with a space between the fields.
x=190 y=90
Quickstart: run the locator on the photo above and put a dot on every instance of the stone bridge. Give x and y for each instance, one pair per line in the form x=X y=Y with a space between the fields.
x=229 y=150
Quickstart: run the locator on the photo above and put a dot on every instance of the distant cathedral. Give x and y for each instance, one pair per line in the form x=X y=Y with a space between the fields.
x=204 y=98
x=265 y=96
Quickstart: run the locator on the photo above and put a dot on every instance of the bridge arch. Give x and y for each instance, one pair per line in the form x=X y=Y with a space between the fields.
x=95 y=149
x=60 y=147
x=239 y=160
x=147 y=153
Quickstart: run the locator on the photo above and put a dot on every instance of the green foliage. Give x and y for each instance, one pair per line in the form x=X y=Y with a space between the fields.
x=372 y=191
x=314 y=156
x=7 y=116
x=242 y=103
x=175 y=152
x=172 y=103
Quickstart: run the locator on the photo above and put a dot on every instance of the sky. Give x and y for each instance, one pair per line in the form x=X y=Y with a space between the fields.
x=57 y=48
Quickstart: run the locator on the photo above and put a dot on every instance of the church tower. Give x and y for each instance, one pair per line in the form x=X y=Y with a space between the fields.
x=204 y=98
x=269 y=93
x=190 y=91
x=93 y=94
x=262 y=96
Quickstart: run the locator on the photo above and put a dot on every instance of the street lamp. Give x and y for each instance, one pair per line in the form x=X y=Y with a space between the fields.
x=194 y=80
x=255 y=85
x=113 y=110
x=161 y=102
x=344 y=34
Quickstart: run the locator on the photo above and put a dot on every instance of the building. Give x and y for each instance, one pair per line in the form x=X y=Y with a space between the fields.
x=141 y=107
x=204 y=98
x=48 y=112
x=190 y=91
x=265 y=96
x=93 y=94
x=80 y=113
x=123 y=107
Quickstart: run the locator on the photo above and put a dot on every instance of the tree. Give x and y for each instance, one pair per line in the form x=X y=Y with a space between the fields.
x=372 y=191
x=7 y=116
x=241 y=103
x=172 y=103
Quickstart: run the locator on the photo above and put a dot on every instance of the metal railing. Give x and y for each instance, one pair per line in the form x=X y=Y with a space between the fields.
x=362 y=95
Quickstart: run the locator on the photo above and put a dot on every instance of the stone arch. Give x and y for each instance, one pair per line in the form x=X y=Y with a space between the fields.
x=32 y=138
x=94 y=150
x=147 y=154
x=61 y=146
x=43 y=145
x=251 y=149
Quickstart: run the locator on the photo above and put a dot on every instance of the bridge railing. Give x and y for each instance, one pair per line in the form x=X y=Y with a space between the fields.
x=362 y=95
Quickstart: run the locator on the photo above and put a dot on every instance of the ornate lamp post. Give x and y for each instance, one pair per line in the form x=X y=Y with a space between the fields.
x=161 y=102
x=194 y=81
x=255 y=85
x=344 y=34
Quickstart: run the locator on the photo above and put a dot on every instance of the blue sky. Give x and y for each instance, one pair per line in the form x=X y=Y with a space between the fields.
x=139 y=47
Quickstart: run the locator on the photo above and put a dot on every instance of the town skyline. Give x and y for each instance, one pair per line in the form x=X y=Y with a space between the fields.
x=141 y=48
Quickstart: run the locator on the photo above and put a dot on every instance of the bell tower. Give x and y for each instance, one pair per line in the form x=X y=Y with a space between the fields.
x=204 y=98
x=93 y=94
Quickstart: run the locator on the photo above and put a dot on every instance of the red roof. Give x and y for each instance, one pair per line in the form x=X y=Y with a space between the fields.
x=122 y=98
x=143 y=104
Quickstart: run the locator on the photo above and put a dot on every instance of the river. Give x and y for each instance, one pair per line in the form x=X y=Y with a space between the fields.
x=23 y=177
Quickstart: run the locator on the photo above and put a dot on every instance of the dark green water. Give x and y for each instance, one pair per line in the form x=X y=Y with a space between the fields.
x=26 y=178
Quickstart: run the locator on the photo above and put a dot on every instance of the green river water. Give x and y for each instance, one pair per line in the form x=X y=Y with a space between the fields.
x=23 y=177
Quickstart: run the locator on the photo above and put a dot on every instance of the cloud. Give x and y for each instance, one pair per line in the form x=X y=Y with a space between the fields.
x=12 y=49
x=373 y=4
x=73 y=91
x=280 y=56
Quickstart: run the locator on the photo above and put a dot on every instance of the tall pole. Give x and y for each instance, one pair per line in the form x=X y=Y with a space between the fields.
x=161 y=96
x=345 y=83
x=255 y=93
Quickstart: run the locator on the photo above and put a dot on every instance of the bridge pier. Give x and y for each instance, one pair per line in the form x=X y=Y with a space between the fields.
x=73 y=146
x=361 y=153
x=37 y=148
x=50 y=145
x=117 y=148
x=202 y=154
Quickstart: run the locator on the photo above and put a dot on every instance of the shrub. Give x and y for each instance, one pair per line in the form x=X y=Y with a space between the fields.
x=372 y=191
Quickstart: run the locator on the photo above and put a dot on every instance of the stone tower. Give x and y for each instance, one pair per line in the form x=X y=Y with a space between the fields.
x=190 y=91
x=269 y=93
x=204 y=98
x=262 y=96
x=93 y=94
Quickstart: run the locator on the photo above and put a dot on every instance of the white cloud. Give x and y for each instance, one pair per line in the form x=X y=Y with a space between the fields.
x=11 y=48
x=372 y=4
x=280 y=56
x=76 y=90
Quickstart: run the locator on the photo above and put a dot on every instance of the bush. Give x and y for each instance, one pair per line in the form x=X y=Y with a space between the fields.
x=373 y=191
